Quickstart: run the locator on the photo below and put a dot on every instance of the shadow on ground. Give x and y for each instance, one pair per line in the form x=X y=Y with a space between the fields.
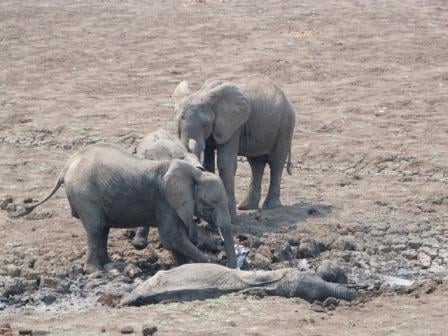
x=279 y=220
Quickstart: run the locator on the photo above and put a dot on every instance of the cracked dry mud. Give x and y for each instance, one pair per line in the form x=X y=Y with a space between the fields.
x=369 y=189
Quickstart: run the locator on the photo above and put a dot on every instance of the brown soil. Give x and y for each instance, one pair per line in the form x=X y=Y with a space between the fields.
x=369 y=80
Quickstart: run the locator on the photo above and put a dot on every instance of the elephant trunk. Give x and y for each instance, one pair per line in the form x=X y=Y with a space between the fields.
x=197 y=148
x=341 y=292
x=226 y=233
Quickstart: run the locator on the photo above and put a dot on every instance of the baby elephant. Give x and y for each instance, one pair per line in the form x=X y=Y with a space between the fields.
x=108 y=187
x=161 y=145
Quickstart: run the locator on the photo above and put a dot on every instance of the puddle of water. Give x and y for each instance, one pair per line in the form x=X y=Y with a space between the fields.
x=396 y=282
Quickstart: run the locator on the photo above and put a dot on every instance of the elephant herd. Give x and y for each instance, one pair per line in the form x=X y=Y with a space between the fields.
x=171 y=178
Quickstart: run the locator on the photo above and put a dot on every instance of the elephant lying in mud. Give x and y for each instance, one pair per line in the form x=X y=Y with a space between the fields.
x=254 y=119
x=161 y=145
x=205 y=281
x=108 y=187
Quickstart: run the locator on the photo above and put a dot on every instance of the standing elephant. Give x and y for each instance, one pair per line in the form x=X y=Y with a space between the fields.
x=108 y=187
x=254 y=119
x=161 y=145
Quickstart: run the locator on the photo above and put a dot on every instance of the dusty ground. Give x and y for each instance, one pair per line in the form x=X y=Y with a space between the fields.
x=369 y=80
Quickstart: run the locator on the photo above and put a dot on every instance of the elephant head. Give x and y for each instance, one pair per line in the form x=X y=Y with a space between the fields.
x=218 y=109
x=192 y=191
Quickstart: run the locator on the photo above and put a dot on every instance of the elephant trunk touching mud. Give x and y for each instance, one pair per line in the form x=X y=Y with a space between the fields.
x=108 y=187
x=205 y=281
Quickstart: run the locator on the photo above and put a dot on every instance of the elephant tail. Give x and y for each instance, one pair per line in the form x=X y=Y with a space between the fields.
x=27 y=208
x=289 y=164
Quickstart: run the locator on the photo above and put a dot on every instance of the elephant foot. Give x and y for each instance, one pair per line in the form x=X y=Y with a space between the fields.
x=272 y=203
x=139 y=243
x=90 y=268
x=248 y=204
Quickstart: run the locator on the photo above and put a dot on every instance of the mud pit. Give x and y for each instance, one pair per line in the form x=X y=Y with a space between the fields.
x=369 y=189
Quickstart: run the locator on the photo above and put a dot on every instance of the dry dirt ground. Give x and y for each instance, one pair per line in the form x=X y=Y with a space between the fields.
x=369 y=80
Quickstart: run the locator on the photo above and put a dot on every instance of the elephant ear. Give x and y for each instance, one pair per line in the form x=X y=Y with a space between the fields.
x=210 y=84
x=178 y=186
x=231 y=108
x=181 y=91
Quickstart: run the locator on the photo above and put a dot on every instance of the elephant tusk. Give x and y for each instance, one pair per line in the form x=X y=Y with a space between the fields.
x=202 y=158
x=220 y=234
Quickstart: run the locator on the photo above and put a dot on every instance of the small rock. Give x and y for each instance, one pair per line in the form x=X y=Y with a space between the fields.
x=48 y=299
x=398 y=247
x=409 y=254
x=103 y=329
x=255 y=242
x=129 y=234
x=345 y=244
x=31 y=263
x=384 y=248
x=424 y=259
x=127 y=330
x=242 y=237
x=16 y=288
x=308 y=248
x=260 y=261
x=28 y=200
x=5 y=201
x=149 y=330
x=132 y=271
x=265 y=251
x=331 y=303
x=26 y=331
x=282 y=252
x=318 y=307
x=432 y=252
x=115 y=268
x=414 y=244
x=331 y=272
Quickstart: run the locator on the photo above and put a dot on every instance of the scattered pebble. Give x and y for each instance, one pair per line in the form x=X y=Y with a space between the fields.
x=318 y=307
x=127 y=330
x=149 y=330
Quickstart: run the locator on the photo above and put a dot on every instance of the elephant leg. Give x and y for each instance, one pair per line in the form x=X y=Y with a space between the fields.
x=193 y=232
x=140 y=240
x=227 y=162
x=252 y=199
x=173 y=236
x=276 y=162
x=97 y=232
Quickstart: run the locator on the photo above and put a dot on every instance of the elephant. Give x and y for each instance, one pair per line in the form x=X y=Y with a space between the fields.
x=206 y=281
x=108 y=187
x=254 y=119
x=161 y=145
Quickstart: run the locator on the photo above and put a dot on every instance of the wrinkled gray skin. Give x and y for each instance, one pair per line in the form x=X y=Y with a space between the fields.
x=108 y=187
x=204 y=281
x=161 y=145
x=253 y=119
